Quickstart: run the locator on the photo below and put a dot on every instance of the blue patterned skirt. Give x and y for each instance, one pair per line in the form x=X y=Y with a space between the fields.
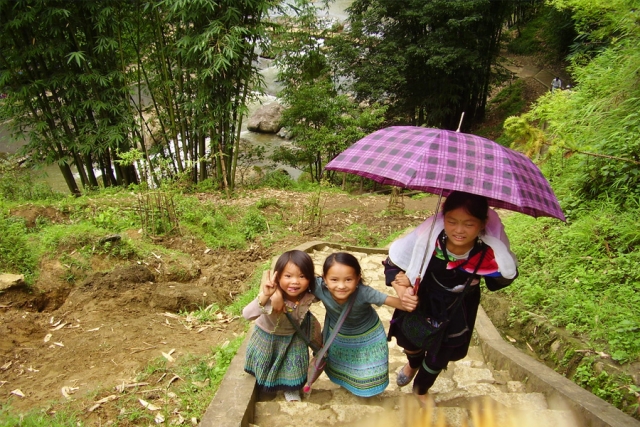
x=279 y=362
x=360 y=363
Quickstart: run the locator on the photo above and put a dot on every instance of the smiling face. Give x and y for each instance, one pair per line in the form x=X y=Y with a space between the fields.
x=293 y=282
x=462 y=229
x=341 y=281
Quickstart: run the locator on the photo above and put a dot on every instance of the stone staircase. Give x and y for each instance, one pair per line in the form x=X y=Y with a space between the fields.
x=470 y=392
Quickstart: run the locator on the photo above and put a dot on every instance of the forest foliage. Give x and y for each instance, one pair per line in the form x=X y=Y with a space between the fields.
x=583 y=275
x=90 y=81
x=149 y=91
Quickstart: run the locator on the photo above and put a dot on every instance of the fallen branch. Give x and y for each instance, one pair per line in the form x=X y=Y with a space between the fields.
x=143 y=349
x=101 y=401
x=605 y=156
x=121 y=387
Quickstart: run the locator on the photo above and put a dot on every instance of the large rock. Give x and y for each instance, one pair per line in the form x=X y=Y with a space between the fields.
x=266 y=119
x=8 y=281
x=284 y=133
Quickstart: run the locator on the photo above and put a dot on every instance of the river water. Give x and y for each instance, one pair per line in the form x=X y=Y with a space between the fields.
x=51 y=174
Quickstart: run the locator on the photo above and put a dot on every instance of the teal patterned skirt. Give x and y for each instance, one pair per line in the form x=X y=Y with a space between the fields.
x=279 y=362
x=360 y=363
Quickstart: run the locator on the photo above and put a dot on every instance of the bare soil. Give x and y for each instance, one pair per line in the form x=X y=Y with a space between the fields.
x=102 y=331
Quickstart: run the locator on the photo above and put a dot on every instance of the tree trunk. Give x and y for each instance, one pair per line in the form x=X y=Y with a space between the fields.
x=69 y=179
x=202 y=148
x=93 y=181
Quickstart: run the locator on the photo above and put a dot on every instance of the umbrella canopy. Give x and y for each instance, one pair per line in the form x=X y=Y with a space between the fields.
x=441 y=161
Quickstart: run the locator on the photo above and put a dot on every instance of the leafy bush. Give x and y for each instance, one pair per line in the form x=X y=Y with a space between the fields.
x=264 y=203
x=597 y=122
x=207 y=186
x=20 y=185
x=16 y=253
x=253 y=224
x=112 y=218
x=279 y=179
x=601 y=384
x=213 y=225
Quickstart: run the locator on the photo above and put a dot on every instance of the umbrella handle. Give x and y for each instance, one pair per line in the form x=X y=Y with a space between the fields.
x=416 y=285
x=460 y=124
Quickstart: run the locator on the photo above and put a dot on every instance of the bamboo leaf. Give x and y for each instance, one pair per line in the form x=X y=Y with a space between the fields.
x=79 y=57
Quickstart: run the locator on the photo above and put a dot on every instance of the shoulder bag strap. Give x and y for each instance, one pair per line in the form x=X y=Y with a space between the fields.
x=345 y=311
x=301 y=334
x=458 y=301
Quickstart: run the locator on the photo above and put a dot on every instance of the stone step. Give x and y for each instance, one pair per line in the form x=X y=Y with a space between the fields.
x=466 y=384
x=384 y=413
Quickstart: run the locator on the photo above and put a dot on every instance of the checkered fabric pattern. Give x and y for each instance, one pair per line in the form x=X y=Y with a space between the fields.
x=440 y=161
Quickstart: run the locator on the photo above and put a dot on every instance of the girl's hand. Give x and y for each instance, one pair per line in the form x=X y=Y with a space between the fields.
x=401 y=280
x=401 y=284
x=277 y=301
x=409 y=300
x=269 y=287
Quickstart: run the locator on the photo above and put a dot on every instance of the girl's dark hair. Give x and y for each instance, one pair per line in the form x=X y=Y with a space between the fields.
x=344 y=258
x=475 y=205
x=300 y=259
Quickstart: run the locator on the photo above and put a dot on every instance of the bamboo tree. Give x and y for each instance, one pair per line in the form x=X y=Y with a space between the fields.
x=213 y=47
x=79 y=59
x=65 y=53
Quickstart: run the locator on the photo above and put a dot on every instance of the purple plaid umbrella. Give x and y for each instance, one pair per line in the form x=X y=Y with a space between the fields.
x=441 y=161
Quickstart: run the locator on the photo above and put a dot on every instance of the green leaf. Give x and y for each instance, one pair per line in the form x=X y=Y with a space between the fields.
x=79 y=57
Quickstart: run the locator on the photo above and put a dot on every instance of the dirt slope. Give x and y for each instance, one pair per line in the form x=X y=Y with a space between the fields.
x=101 y=332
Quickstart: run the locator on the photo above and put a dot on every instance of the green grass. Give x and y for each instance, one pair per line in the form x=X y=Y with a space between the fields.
x=551 y=33
x=510 y=100
x=583 y=276
x=199 y=379
x=37 y=418
x=363 y=235
x=218 y=227
x=384 y=242
x=21 y=185
x=16 y=253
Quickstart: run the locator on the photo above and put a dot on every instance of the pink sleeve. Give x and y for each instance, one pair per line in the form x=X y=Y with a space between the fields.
x=253 y=310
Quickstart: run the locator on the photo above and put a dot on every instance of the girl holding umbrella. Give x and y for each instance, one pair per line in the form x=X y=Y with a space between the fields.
x=444 y=258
